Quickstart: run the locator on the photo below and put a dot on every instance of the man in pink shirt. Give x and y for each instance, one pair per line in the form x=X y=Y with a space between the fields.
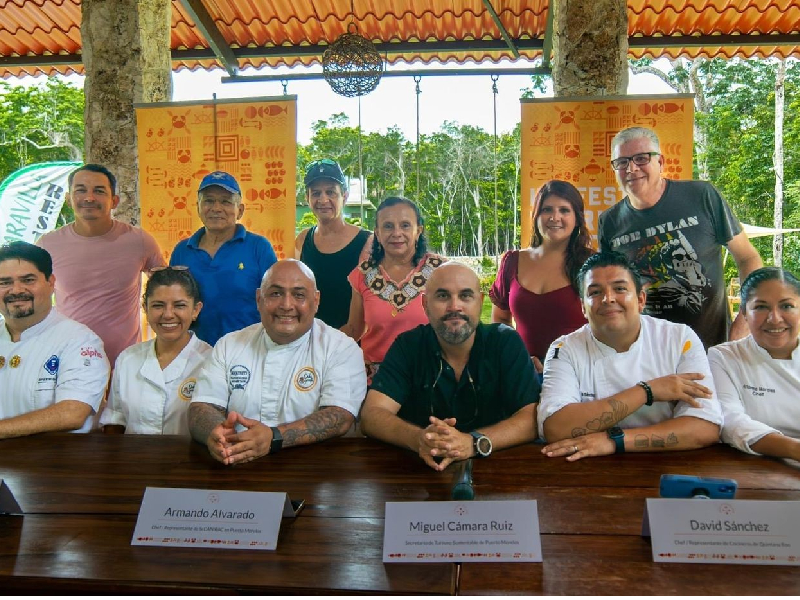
x=98 y=261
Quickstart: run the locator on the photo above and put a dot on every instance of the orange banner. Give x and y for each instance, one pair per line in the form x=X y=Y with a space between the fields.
x=254 y=139
x=570 y=139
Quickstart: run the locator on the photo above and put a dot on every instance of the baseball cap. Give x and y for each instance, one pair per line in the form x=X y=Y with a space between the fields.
x=224 y=180
x=324 y=169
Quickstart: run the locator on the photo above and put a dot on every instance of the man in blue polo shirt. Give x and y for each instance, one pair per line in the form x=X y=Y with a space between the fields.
x=226 y=260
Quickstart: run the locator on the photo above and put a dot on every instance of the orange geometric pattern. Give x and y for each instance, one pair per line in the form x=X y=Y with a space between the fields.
x=254 y=140
x=48 y=28
x=570 y=140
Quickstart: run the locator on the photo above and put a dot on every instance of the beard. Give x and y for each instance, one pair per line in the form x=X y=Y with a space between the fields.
x=19 y=312
x=454 y=336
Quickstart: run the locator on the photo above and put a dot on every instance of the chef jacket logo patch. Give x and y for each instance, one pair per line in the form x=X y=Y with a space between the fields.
x=306 y=379
x=186 y=389
x=238 y=377
x=51 y=366
x=91 y=352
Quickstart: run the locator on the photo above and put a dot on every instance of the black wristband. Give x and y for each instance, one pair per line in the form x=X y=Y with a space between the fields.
x=648 y=391
x=277 y=441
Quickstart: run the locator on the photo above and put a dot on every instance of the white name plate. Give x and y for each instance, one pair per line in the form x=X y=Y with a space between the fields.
x=750 y=532
x=210 y=518
x=490 y=531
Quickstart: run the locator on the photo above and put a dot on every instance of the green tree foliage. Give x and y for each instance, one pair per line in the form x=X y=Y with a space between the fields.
x=739 y=127
x=735 y=136
x=456 y=190
x=39 y=124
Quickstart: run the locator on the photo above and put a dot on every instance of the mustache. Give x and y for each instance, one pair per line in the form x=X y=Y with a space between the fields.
x=17 y=297
x=455 y=315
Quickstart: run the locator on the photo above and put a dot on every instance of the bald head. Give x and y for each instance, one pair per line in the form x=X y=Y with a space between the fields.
x=288 y=265
x=450 y=271
x=453 y=301
x=287 y=300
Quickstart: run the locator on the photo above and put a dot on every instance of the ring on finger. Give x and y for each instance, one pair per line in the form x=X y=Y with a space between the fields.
x=574 y=449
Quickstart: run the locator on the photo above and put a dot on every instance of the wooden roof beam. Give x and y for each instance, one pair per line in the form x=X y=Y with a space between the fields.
x=501 y=27
x=208 y=28
x=788 y=39
x=547 y=47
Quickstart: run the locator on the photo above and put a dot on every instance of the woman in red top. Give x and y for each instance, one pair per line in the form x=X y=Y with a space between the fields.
x=536 y=286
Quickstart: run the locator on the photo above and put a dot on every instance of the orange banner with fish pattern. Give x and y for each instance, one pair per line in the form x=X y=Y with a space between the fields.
x=570 y=139
x=254 y=139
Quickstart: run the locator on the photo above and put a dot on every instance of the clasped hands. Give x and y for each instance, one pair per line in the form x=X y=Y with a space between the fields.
x=231 y=447
x=441 y=440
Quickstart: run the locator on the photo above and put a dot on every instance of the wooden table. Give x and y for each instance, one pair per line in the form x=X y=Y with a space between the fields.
x=81 y=495
x=592 y=543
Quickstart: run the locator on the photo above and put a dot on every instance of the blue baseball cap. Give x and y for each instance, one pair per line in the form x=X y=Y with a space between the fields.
x=325 y=169
x=224 y=180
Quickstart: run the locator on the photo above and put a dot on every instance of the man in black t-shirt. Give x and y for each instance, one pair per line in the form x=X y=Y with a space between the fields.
x=673 y=232
x=456 y=388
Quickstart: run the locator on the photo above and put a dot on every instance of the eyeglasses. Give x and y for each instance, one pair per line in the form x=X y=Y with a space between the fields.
x=464 y=414
x=641 y=159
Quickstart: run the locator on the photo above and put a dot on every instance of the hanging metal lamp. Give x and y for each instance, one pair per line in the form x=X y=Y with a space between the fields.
x=352 y=65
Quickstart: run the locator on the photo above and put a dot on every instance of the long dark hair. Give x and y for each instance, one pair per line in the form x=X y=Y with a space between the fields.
x=580 y=242
x=377 y=253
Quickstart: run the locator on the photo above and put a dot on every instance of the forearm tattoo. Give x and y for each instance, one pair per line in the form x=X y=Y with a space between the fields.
x=326 y=423
x=655 y=441
x=202 y=419
x=619 y=410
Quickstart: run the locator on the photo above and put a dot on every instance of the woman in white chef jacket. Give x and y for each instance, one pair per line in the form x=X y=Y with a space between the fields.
x=758 y=377
x=153 y=381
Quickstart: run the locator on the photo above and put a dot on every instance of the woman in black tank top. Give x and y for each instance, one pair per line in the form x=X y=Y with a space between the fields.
x=331 y=271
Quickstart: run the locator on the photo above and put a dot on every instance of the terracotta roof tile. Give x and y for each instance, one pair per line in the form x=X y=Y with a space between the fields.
x=38 y=30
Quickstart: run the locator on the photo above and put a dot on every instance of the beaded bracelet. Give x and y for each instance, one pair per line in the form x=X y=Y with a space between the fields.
x=648 y=391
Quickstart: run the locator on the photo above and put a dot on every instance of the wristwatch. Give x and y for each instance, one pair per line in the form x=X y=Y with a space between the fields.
x=481 y=444
x=617 y=434
x=277 y=440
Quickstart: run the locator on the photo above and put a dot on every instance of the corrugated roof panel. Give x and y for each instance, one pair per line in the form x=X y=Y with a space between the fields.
x=708 y=17
x=46 y=27
x=720 y=52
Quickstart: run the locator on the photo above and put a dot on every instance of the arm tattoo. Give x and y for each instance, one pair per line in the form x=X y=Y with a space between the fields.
x=655 y=441
x=607 y=419
x=327 y=422
x=598 y=423
x=203 y=418
x=619 y=410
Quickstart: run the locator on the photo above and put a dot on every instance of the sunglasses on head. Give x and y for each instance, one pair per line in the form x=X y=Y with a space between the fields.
x=178 y=268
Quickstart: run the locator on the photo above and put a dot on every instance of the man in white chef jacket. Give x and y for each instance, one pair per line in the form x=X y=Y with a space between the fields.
x=287 y=381
x=53 y=370
x=625 y=382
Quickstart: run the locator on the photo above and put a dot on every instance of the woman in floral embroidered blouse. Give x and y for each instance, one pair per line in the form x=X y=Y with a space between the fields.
x=388 y=286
